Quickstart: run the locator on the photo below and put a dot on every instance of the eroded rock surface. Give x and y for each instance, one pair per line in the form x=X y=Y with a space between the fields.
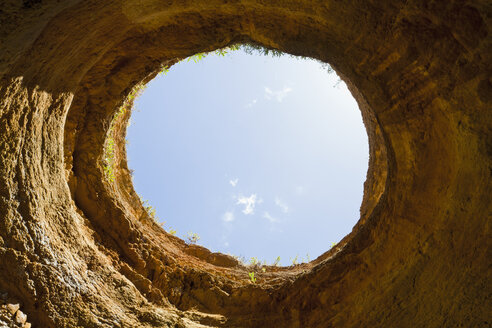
x=78 y=250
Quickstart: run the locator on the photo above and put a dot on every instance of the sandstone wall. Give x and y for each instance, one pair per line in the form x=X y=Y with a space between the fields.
x=77 y=250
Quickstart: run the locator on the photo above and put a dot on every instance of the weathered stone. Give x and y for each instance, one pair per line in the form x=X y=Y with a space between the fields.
x=80 y=251
x=20 y=317
x=13 y=308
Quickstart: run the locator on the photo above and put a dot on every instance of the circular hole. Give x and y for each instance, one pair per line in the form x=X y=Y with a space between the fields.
x=259 y=156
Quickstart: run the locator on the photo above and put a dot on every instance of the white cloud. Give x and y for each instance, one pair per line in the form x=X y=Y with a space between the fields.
x=251 y=103
x=278 y=95
x=300 y=190
x=234 y=182
x=283 y=206
x=228 y=217
x=248 y=202
x=270 y=218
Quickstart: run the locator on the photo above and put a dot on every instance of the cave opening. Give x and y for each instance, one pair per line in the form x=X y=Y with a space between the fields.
x=78 y=249
x=260 y=157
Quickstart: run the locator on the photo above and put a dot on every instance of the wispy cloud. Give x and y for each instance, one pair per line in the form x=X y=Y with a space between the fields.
x=283 y=206
x=270 y=218
x=300 y=190
x=278 y=95
x=234 y=182
x=248 y=202
x=251 y=103
x=228 y=217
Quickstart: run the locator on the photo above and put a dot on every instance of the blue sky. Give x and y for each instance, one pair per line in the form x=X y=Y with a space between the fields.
x=260 y=156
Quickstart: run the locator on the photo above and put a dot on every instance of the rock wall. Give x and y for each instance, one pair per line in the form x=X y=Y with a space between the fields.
x=78 y=250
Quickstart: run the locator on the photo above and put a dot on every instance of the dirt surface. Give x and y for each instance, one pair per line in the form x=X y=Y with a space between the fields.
x=78 y=250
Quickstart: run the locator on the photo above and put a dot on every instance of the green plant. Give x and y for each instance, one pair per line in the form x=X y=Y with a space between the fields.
x=192 y=238
x=277 y=261
x=136 y=91
x=333 y=245
x=109 y=145
x=253 y=261
x=164 y=70
x=255 y=48
x=172 y=232
x=294 y=261
x=252 y=48
x=219 y=52
x=198 y=57
x=150 y=210
x=109 y=157
x=252 y=277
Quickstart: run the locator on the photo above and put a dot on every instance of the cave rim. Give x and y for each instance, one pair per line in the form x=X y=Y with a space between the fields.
x=333 y=251
x=257 y=51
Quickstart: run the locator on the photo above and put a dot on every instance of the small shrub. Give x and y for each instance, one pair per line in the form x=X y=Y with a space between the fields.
x=164 y=70
x=254 y=261
x=109 y=146
x=192 y=238
x=150 y=210
x=294 y=261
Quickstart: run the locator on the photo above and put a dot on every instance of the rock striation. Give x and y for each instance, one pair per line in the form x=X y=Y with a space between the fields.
x=79 y=250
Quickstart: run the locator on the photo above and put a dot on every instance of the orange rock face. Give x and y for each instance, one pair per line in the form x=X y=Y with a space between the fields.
x=79 y=250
